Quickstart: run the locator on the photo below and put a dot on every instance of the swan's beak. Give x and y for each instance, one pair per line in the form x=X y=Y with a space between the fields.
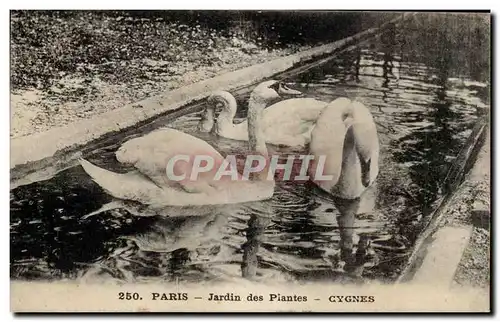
x=206 y=123
x=365 y=171
x=285 y=90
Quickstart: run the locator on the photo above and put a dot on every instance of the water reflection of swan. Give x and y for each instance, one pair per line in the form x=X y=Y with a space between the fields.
x=188 y=228
x=257 y=224
x=355 y=262
x=149 y=155
x=346 y=136
x=359 y=217
x=187 y=242
x=183 y=236
x=286 y=123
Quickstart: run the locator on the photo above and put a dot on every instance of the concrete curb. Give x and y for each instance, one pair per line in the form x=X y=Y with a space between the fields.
x=32 y=149
x=443 y=256
x=435 y=236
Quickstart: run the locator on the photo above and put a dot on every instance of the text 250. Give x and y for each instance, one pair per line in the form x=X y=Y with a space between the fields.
x=129 y=296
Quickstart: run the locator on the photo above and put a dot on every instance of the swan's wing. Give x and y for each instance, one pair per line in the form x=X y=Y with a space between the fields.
x=154 y=144
x=135 y=186
x=293 y=116
x=288 y=122
x=151 y=153
x=294 y=110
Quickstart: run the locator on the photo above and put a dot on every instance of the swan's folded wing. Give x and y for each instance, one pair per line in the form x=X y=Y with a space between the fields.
x=296 y=109
x=136 y=187
x=151 y=153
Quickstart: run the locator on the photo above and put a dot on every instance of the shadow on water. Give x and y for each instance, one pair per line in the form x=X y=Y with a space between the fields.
x=425 y=92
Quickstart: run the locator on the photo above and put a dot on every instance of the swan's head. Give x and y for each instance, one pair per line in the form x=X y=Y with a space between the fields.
x=272 y=90
x=222 y=102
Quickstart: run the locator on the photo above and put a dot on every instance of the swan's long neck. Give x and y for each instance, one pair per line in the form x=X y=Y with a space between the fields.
x=256 y=139
x=226 y=116
x=359 y=155
x=207 y=120
x=366 y=145
x=346 y=136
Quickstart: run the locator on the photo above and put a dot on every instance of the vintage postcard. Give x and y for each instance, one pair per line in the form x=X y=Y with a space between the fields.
x=250 y=161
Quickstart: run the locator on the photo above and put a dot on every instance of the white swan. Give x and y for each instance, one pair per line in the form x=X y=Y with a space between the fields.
x=287 y=123
x=149 y=154
x=346 y=136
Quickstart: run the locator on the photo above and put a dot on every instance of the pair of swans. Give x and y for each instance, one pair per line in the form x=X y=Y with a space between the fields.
x=342 y=130
x=285 y=123
x=148 y=183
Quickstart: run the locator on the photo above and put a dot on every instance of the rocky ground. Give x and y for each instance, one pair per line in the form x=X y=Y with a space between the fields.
x=70 y=66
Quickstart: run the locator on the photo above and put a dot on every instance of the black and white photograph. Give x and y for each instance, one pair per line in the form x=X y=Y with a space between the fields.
x=250 y=161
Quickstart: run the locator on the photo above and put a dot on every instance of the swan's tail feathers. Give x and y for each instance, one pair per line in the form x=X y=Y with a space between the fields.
x=108 y=180
x=127 y=186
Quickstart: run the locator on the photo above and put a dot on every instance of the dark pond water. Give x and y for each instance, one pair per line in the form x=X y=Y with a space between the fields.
x=425 y=86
